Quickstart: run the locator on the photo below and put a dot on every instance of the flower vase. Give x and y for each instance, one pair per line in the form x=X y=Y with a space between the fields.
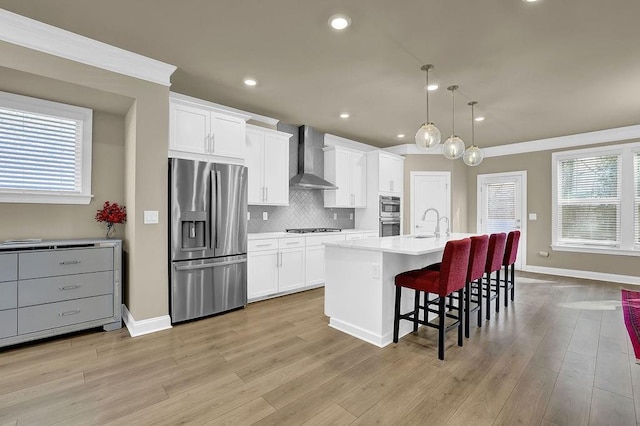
x=111 y=230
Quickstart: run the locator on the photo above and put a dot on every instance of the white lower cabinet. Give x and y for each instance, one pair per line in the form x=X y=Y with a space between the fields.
x=291 y=271
x=262 y=273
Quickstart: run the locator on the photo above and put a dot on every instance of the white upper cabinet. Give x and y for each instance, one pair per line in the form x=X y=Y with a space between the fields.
x=390 y=173
x=347 y=169
x=205 y=132
x=267 y=158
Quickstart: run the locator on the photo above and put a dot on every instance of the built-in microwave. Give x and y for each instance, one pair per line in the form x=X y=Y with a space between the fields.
x=389 y=206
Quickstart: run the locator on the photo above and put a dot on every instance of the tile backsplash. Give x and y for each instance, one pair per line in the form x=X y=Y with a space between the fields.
x=305 y=210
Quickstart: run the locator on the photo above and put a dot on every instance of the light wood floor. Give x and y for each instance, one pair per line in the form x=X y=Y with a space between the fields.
x=559 y=355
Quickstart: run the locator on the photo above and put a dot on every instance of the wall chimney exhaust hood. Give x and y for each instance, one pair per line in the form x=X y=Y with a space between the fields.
x=310 y=161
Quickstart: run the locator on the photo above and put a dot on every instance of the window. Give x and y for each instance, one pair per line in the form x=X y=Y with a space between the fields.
x=594 y=194
x=45 y=151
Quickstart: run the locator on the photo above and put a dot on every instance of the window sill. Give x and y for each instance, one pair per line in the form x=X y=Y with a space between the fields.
x=596 y=250
x=45 y=198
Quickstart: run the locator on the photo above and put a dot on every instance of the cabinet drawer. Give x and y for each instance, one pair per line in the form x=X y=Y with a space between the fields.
x=52 y=315
x=8 y=295
x=8 y=323
x=354 y=237
x=64 y=262
x=370 y=235
x=259 y=245
x=56 y=289
x=318 y=240
x=8 y=267
x=285 y=243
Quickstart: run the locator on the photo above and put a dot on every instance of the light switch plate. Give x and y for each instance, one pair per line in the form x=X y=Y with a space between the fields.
x=335 y=216
x=150 y=217
x=350 y=216
x=533 y=216
x=248 y=215
x=265 y=216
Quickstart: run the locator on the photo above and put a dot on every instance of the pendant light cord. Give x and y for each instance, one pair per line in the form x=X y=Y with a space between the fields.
x=453 y=112
x=427 y=94
x=473 y=127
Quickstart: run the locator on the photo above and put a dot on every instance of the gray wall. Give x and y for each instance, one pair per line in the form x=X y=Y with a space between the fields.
x=306 y=207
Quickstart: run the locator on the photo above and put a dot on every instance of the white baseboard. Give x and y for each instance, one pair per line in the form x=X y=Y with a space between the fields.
x=589 y=275
x=139 y=328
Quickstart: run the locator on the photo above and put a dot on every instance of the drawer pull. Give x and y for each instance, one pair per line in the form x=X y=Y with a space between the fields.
x=69 y=262
x=263 y=245
x=69 y=287
x=64 y=314
x=294 y=243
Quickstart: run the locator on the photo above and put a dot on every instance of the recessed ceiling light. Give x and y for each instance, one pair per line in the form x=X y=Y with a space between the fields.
x=339 y=22
x=250 y=81
x=432 y=87
x=400 y=136
x=344 y=115
x=481 y=118
x=530 y=1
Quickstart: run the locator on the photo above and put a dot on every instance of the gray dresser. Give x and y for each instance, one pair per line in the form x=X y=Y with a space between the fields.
x=54 y=287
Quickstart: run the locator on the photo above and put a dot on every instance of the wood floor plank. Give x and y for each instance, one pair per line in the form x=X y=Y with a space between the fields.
x=527 y=402
x=332 y=415
x=612 y=373
x=246 y=414
x=611 y=409
x=585 y=337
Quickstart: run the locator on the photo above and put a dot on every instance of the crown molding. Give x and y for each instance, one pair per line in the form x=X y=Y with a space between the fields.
x=32 y=34
x=333 y=140
x=617 y=134
x=246 y=114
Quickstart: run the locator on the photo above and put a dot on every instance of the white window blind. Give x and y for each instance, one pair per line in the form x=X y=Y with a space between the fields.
x=636 y=208
x=589 y=200
x=45 y=151
x=501 y=207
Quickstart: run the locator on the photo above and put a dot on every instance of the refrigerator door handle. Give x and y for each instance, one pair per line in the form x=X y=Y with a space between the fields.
x=209 y=265
x=213 y=196
x=218 y=207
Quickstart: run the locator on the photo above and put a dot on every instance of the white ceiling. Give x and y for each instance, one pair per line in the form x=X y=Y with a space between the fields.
x=539 y=70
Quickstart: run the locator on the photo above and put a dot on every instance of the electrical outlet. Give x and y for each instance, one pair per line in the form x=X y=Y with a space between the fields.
x=335 y=216
x=150 y=217
x=248 y=215
x=375 y=271
x=350 y=216
x=265 y=216
x=533 y=216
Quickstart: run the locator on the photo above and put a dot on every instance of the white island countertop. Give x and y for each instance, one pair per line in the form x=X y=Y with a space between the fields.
x=404 y=244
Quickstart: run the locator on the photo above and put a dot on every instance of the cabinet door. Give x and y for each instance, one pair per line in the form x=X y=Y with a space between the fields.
x=359 y=179
x=314 y=272
x=397 y=175
x=189 y=129
x=343 y=179
x=262 y=274
x=276 y=170
x=291 y=273
x=390 y=174
x=254 y=160
x=228 y=135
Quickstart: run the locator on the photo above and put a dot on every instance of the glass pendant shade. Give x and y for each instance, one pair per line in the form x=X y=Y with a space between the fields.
x=453 y=147
x=428 y=136
x=473 y=156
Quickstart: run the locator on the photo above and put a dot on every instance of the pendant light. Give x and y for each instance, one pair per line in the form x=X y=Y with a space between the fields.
x=473 y=155
x=428 y=135
x=453 y=147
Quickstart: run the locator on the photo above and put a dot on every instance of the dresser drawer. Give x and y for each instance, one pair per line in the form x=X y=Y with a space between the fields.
x=8 y=295
x=8 y=323
x=64 y=262
x=8 y=267
x=53 y=315
x=57 y=289
x=295 y=242
x=259 y=245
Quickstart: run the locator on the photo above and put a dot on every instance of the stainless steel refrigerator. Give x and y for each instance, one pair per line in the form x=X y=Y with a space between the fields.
x=208 y=238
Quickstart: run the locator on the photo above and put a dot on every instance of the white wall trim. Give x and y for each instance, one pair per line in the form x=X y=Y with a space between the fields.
x=333 y=140
x=139 y=328
x=598 y=276
x=581 y=139
x=245 y=114
x=32 y=34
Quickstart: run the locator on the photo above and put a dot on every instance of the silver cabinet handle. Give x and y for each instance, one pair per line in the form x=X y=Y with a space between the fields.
x=69 y=287
x=266 y=193
x=67 y=313
x=213 y=143
x=70 y=262
x=264 y=198
x=263 y=245
x=293 y=243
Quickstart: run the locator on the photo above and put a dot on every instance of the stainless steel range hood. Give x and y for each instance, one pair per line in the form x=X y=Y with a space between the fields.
x=310 y=161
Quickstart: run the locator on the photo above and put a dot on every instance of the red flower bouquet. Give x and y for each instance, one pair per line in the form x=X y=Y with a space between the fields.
x=111 y=214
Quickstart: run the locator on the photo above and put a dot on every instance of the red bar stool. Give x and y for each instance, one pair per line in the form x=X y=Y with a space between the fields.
x=510 y=256
x=495 y=255
x=473 y=287
x=450 y=277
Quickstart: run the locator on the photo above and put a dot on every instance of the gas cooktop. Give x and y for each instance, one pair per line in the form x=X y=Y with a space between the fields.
x=308 y=230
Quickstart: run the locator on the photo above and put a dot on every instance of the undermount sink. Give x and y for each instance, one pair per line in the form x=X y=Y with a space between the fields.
x=422 y=236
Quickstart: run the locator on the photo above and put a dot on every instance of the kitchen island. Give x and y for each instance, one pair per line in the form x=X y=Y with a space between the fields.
x=359 y=286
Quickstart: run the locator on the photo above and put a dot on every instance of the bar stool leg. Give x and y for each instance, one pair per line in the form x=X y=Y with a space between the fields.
x=488 y=289
x=441 y=331
x=396 y=319
x=467 y=307
x=416 y=310
x=513 y=281
x=461 y=316
x=498 y=290
x=506 y=286
x=479 y=282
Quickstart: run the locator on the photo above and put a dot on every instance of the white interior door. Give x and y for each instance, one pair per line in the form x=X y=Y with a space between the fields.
x=430 y=190
x=502 y=205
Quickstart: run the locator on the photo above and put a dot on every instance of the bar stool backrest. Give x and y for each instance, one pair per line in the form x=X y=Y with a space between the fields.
x=511 y=250
x=495 y=254
x=453 y=269
x=477 y=257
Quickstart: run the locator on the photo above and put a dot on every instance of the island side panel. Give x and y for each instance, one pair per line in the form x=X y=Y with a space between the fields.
x=353 y=292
